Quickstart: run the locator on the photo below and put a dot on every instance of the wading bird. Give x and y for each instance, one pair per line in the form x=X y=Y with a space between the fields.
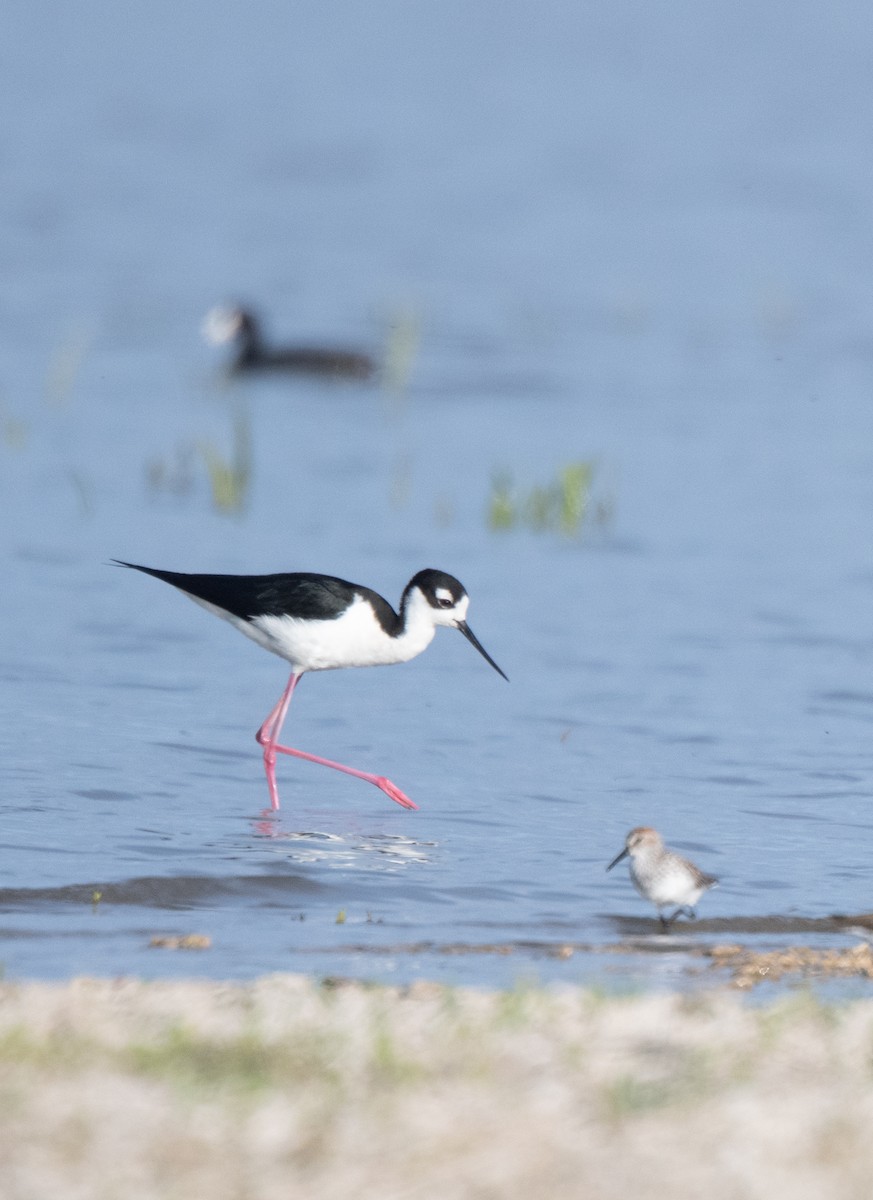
x=319 y=623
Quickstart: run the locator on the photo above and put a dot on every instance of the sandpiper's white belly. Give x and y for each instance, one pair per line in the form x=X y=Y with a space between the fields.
x=670 y=882
x=353 y=639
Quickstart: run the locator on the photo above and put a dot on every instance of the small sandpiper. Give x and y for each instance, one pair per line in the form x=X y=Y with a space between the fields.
x=663 y=876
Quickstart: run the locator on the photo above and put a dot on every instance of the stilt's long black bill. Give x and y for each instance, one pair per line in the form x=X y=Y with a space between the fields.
x=474 y=641
x=618 y=858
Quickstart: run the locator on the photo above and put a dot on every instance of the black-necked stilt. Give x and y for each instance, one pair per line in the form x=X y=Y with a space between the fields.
x=662 y=876
x=241 y=326
x=319 y=623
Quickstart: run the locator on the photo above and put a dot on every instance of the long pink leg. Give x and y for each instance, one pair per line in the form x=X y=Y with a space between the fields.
x=268 y=735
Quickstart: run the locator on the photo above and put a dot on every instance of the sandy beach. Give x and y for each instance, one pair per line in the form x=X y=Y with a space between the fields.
x=287 y=1087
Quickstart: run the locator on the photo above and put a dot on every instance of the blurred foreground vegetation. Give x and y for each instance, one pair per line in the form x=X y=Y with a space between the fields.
x=287 y=1087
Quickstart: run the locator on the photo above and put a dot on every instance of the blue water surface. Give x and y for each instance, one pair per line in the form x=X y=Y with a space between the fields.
x=632 y=237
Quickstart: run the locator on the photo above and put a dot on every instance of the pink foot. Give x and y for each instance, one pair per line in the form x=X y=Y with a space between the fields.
x=392 y=792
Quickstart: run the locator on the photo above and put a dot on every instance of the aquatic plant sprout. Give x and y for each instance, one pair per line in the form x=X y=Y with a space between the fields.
x=564 y=505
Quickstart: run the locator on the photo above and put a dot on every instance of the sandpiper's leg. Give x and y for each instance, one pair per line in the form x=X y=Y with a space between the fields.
x=668 y=921
x=268 y=736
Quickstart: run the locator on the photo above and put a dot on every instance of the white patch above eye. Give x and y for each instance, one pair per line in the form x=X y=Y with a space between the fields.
x=444 y=594
x=220 y=325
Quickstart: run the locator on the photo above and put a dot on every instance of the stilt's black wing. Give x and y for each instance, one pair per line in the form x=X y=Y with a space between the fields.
x=311 y=597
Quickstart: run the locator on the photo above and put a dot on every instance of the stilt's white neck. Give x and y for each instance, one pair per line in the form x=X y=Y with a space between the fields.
x=417 y=627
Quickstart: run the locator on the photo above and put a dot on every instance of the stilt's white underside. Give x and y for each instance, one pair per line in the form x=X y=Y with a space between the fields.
x=353 y=639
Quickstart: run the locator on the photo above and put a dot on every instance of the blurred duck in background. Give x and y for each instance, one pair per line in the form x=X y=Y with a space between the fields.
x=241 y=328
